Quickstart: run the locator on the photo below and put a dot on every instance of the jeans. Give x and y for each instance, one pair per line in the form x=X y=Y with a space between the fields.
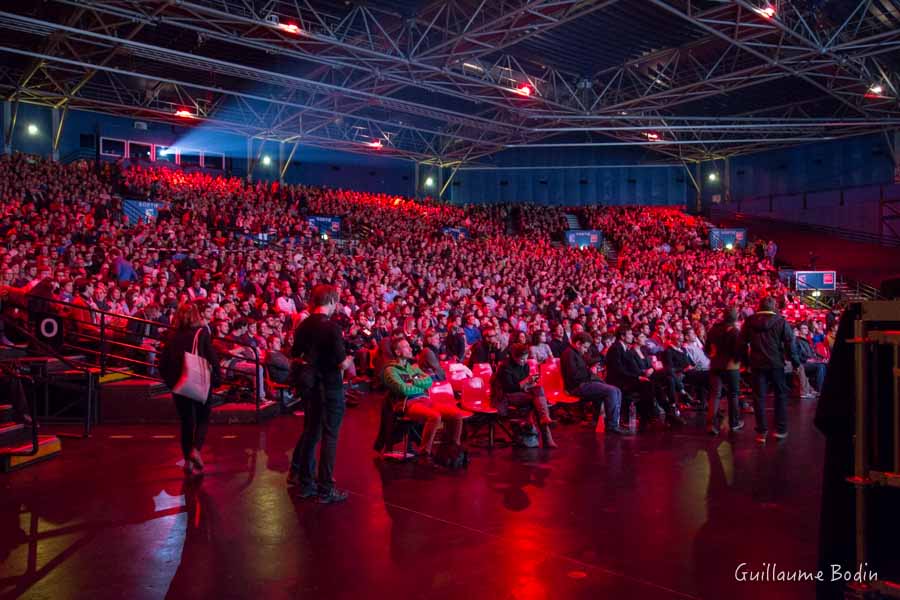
x=815 y=371
x=194 y=423
x=534 y=398
x=761 y=380
x=598 y=392
x=730 y=381
x=324 y=413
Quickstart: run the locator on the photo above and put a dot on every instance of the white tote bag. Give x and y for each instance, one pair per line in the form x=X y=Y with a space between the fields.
x=195 y=375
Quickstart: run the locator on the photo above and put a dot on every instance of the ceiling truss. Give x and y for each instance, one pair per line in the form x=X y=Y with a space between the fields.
x=443 y=85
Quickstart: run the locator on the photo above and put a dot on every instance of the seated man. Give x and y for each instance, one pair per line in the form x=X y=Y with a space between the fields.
x=657 y=375
x=579 y=382
x=813 y=364
x=408 y=387
x=514 y=385
x=698 y=376
x=429 y=358
x=676 y=363
x=487 y=350
x=624 y=371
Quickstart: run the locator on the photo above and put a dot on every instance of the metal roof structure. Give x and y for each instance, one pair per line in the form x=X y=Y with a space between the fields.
x=449 y=82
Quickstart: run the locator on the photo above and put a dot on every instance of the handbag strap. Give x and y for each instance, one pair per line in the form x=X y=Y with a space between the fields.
x=196 y=341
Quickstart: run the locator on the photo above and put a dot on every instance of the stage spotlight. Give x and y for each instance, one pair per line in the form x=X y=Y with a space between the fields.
x=651 y=136
x=713 y=177
x=32 y=129
x=429 y=182
x=768 y=11
x=266 y=161
x=729 y=246
x=524 y=90
x=181 y=112
x=289 y=28
x=376 y=144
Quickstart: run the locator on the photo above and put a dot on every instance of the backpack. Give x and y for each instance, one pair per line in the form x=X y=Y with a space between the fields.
x=525 y=435
x=451 y=456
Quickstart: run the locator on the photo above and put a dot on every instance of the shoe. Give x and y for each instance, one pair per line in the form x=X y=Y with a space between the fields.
x=738 y=427
x=306 y=492
x=547 y=438
x=333 y=496
x=618 y=431
x=781 y=435
x=761 y=437
x=674 y=420
x=195 y=458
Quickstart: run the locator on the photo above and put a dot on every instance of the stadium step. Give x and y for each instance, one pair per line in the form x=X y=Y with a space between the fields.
x=16 y=444
x=15 y=456
x=232 y=413
x=572 y=221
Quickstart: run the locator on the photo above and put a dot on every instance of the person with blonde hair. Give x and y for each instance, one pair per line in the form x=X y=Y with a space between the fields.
x=186 y=324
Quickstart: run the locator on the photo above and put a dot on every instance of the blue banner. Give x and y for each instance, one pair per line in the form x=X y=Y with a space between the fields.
x=140 y=209
x=582 y=238
x=326 y=224
x=459 y=233
x=816 y=280
x=727 y=239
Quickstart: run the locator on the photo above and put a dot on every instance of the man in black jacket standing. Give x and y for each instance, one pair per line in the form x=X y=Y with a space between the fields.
x=318 y=341
x=724 y=371
x=771 y=343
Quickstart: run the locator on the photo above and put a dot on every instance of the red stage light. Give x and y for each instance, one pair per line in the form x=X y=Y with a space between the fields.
x=768 y=12
x=290 y=28
x=184 y=113
x=524 y=90
x=651 y=136
x=376 y=144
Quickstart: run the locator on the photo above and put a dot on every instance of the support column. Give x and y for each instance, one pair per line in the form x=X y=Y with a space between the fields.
x=440 y=181
x=281 y=165
x=726 y=183
x=58 y=122
x=418 y=184
x=250 y=163
x=896 y=155
x=9 y=121
x=698 y=204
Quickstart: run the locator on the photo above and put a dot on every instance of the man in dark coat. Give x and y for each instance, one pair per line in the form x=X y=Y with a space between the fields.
x=770 y=341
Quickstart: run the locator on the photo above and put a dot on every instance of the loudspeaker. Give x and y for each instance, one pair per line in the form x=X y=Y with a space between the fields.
x=890 y=288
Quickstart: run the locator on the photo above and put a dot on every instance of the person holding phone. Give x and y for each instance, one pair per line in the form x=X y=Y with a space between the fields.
x=514 y=385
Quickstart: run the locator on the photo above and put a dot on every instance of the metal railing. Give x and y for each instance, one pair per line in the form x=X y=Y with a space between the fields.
x=121 y=344
x=847 y=234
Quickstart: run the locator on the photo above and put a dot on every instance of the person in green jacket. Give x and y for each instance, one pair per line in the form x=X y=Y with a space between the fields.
x=408 y=386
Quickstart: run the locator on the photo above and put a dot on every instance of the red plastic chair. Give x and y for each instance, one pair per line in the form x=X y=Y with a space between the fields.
x=456 y=379
x=551 y=381
x=442 y=392
x=483 y=370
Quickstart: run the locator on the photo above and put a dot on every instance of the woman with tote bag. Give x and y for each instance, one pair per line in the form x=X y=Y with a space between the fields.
x=190 y=368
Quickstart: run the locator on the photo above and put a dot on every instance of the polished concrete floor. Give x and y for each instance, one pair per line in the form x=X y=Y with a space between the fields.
x=662 y=515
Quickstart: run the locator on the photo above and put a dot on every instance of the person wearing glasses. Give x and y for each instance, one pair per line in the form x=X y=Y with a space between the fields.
x=487 y=350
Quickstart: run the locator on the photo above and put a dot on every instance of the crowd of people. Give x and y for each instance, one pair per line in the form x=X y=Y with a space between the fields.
x=508 y=291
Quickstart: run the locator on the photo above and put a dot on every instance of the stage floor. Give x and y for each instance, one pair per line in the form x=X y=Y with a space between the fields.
x=661 y=515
